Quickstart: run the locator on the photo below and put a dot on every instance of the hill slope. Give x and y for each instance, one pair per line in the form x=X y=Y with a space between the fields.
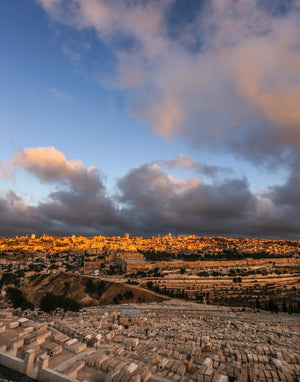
x=74 y=286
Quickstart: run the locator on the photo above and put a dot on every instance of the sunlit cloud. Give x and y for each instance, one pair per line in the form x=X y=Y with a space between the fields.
x=182 y=161
x=231 y=77
x=148 y=200
x=226 y=79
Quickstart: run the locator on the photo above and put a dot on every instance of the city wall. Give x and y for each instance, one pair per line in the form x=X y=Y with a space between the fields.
x=130 y=266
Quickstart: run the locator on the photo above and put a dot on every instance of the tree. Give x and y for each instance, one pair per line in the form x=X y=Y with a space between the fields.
x=100 y=288
x=284 y=307
x=128 y=294
x=16 y=297
x=257 y=303
x=70 y=304
x=9 y=278
x=90 y=287
x=27 y=305
x=50 y=302
x=272 y=306
x=149 y=284
x=66 y=287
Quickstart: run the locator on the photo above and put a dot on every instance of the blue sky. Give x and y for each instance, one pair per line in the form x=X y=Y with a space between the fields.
x=108 y=95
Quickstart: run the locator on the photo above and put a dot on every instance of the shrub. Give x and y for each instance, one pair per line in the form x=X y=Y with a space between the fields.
x=90 y=287
x=49 y=302
x=100 y=288
x=18 y=300
x=128 y=294
x=9 y=278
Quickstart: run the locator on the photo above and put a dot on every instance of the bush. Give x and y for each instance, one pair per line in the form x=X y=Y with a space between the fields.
x=27 y=305
x=100 y=288
x=90 y=287
x=16 y=297
x=128 y=294
x=9 y=278
x=149 y=284
x=50 y=302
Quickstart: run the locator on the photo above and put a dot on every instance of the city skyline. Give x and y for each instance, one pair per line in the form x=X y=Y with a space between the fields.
x=150 y=117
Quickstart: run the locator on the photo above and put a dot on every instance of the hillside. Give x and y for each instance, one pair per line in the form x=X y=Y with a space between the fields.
x=74 y=286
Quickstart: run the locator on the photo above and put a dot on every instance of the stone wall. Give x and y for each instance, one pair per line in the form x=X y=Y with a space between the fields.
x=131 y=266
x=47 y=375
x=13 y=375
x=12 y=362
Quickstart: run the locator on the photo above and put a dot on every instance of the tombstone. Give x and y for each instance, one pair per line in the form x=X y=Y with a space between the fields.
x=29 y=360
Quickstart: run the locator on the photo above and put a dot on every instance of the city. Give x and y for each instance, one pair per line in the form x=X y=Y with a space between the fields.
x=149 y=191
x=183 y=308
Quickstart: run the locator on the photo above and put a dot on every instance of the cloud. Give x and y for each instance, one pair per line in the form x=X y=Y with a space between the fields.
x=51 y=166
x=64 y=213
x=185 y=162
x=155 y=202
x=148 y=201
x=16 y=216
x=80 y=204
x=71 y=53
x=286 y=197
x=58 y=94
x=158 y=202
x=227 y=78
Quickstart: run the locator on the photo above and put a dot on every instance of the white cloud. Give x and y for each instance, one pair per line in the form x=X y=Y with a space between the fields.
x=59 y=94
x=231 y=82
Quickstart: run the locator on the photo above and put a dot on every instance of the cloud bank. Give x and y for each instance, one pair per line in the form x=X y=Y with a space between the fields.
x=148 y=201
x=223 y=76
x=228 y=76
x=80 y=204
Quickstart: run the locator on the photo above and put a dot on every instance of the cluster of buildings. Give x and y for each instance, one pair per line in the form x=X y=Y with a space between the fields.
x=169 y=244
x=158 y=342
x=39 y=263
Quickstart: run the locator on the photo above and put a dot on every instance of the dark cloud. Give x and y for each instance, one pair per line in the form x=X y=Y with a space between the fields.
x=157 y=202
x=288 y=194
x=64 y=213
x=82 y=211
x=16 y=216
x=224 y=76
x=150 y=201
x=80 y=204
x=285 y=201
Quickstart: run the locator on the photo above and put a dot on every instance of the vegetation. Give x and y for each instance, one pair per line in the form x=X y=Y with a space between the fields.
x=51 y=302
x=95 y=288
x=226 y=254
x=174 y=293
x=120 y=297
x=9 y=278
x=16 y=297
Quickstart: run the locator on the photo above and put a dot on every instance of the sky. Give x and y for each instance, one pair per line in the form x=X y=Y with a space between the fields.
x=150 y=117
